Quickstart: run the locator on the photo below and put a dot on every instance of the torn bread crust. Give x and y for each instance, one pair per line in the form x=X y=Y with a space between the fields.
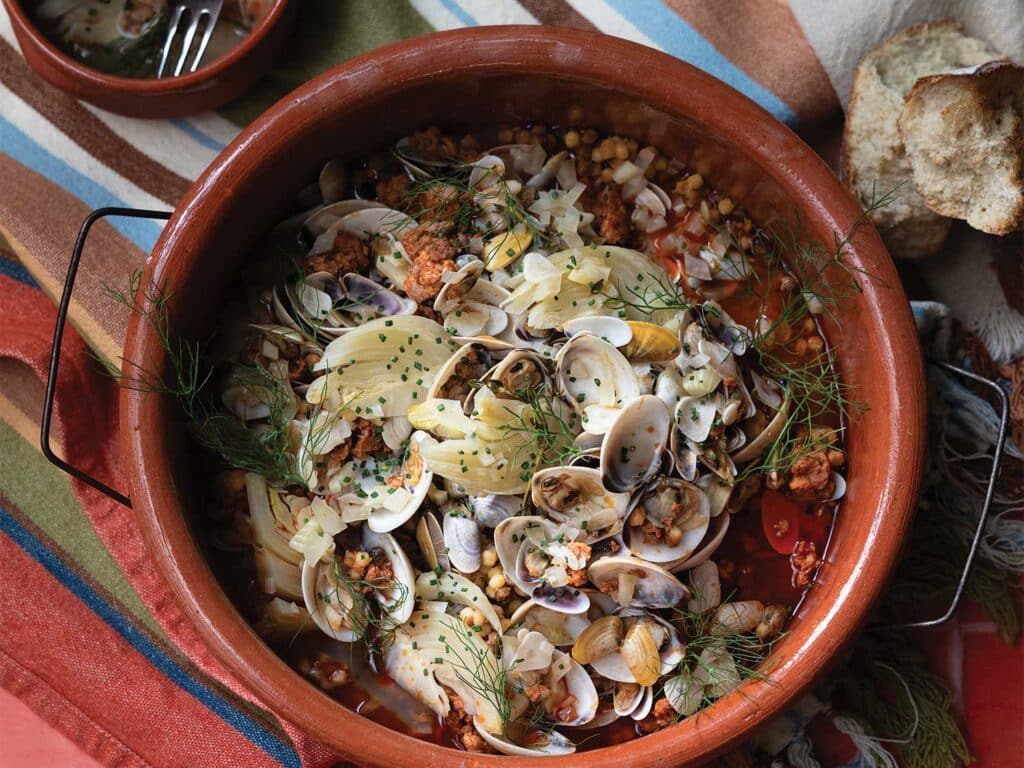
x=874 y=161
x=962 y=134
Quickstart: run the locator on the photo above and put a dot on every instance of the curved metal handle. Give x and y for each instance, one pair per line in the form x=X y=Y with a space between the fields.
x=58 y=336
x=997 y=454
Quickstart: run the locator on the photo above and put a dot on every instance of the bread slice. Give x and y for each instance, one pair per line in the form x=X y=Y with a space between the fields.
x=874 y=161
x=962 y=135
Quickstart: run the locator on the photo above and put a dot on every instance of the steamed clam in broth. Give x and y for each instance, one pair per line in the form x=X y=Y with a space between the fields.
x=524 y=437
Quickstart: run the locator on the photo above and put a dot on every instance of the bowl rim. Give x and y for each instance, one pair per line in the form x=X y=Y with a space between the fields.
x=612 y=62
x=147 y=86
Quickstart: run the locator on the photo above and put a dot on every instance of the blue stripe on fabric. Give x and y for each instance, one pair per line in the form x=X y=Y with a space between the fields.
x=671 y=33
x=197 y=135
x=142 y=232
x=460 y=13
x=16 y=270
x=60 y=570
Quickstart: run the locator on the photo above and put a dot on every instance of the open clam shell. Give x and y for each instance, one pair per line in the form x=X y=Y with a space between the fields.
x=576 y=496
x=516 y=540
x=632 y=447
x=668 y=649
x=453 y=380
x=416 y=479
x=560 y=629
x=637 y=583
x=596 y=378
x=540 y=743
x=668 y=506
x=462 y=541
x=332 y=606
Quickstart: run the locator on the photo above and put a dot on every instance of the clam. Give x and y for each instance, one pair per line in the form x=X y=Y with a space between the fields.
x=547 y=742
x=430 y=538
x=706 y=587
x=462 y=540
x=616 y=332
x=628 y=697
x=636 y=583
x=527 y=548
x=650 y=343
x=521 y=371
x=331 y=604
x=402 y=504
x=632 y=448
x=467 y=364
x=685 y=691
x=491 y=509
x=602 y=637
x=757 y=444
x=474 y=318
x=560 y=629
x=640 y=652
x=364 y=222
x=318 y=222
x=718 y=492
x=487 y=172
x=457 y=285
x=596 y=378
x=421 y=162
x=577 y=497
x=332 y=182
x=568 y=676
x=668 y=386
x=737 y=618
x=361 y=291
x=651 y=646
x=670 y=522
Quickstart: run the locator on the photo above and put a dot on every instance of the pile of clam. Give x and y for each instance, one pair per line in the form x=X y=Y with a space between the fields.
x=557 y=432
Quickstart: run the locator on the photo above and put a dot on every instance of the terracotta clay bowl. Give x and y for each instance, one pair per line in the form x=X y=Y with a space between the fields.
x=502 y=75
x=200 y=91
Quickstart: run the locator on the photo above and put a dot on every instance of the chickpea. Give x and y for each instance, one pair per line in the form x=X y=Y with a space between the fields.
x=606 y=175
x=680 y=186
x=488 y=558
x=815 y=344
x=746 y=243
x=800 y=347
x=572 y=139
x=637 y=517
x=589 y=136
x=694 y=181
x=596 y=155
x=673 y=536
x=809 y=326
x=836 y=457
x=725 y=206
x=496 y=582
x=772 y=622
x=621 y=151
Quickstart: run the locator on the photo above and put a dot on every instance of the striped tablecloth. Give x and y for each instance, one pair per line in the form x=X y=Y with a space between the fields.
x=90 y=639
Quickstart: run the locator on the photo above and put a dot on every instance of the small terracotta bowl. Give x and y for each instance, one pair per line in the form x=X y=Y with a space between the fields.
x=200 y=91
x=488 y=77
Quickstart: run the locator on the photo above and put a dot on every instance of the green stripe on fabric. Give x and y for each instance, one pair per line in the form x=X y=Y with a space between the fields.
x=328 y=32
x=44 y=494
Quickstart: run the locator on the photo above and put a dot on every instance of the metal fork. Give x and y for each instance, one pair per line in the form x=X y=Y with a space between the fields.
x=192 y=12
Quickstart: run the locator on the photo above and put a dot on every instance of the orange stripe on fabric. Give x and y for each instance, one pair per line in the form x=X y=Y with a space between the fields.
x=30 y=200
x=762 y=38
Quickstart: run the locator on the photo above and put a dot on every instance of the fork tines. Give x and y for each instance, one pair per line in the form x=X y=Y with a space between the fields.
x=190 y=16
